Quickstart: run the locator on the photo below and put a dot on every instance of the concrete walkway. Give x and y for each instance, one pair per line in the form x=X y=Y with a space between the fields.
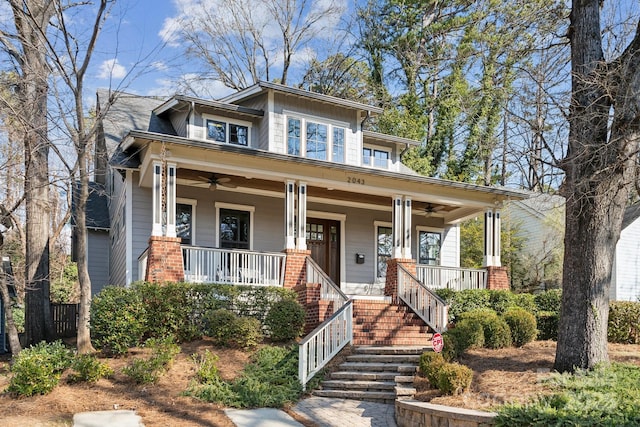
x=330 y=412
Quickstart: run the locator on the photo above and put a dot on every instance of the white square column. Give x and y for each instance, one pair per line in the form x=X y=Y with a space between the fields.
x=301 y=241
x=156 y=191
x=406 y=229
x=171 y=200
x=397 y=230
x=289 y=214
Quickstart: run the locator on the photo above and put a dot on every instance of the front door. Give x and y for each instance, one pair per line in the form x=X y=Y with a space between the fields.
x=323 y=240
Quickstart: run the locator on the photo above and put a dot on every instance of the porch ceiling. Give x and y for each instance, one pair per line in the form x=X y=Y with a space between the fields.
x=258 y=170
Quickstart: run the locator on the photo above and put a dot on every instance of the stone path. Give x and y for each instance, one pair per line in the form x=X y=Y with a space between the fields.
x=329 y=412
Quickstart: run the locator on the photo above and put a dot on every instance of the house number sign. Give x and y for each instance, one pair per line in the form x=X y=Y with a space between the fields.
x=354 y=180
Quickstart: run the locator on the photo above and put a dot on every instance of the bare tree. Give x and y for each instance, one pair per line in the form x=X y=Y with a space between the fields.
x=604 y=131
x=239 y=45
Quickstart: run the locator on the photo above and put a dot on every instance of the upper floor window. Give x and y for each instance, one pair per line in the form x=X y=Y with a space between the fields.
x=228 y=132
x=315 y=140
x=375 y=157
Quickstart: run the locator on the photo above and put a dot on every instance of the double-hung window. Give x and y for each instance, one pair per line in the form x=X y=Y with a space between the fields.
x=315 y=139
x=429 y=243
x=221 y=130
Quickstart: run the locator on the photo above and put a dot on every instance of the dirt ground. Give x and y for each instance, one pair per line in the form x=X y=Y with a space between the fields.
x=499 y=376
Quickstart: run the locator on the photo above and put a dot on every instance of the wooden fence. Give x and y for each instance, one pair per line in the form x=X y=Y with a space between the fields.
x=65 y=319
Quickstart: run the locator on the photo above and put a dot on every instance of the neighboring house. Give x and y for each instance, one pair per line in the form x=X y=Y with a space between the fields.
x=625 y=279
x=539 y=224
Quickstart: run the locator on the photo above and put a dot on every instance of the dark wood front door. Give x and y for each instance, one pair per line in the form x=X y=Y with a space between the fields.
x=323 y=240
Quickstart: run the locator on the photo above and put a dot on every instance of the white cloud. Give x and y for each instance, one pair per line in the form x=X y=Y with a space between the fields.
x=159 y=66
x=111 y=69
x=190 y=84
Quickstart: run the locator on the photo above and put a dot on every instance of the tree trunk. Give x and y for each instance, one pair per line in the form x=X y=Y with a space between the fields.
x=599 y=175
x=33 y=96
x=12 y=331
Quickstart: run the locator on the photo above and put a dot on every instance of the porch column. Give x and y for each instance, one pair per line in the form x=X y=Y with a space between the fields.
x=488 y=238
x=397 y=227
x=496 y=238
x=156 y=229
x=301 y=242
x=289 y=215
x=406 y=229
x=171 y=200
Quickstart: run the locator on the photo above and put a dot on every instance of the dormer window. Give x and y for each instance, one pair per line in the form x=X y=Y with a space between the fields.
x=227 y=131
x=375 y=157
x=315 y=139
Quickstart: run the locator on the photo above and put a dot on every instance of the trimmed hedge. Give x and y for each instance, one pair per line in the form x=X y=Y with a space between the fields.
x=522 y=324
x=285 y=320
x=624 y=322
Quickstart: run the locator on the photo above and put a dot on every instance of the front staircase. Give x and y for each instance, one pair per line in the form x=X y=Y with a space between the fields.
x=373 y=373
x=379 y=322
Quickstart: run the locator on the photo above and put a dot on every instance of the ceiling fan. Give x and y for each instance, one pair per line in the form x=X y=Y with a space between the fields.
x=214 y=181
x=430 y=209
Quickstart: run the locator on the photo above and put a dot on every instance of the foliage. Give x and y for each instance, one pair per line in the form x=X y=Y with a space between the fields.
x=624 y=322
x=118 y=319
x=220 y=325
x=547 y=322
x=430 y=364
x=285 y=320
x=454 y=378
x=37 y=369
x=468 y=300
x=526 y=301
x=148 y=371
x=466 y=334
x=206 y=368
x=270 y=380
x=64 y=284
x=496 y=333
x=549 y=300
x=604 y=396
x=88 y=368
x=248 y=332
x=522 y=325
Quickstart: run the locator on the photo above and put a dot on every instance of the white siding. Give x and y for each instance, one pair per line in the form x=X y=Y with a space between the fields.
x=450 y=250
x=626 y=281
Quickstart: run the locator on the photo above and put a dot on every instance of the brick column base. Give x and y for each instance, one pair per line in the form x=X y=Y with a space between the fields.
x=497 y=278
x=164 y=260
x=295 y=269
x=316 y=309
x=391 y=284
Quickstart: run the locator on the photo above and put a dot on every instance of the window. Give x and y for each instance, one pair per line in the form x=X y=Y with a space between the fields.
x=293 y=137
x=184 y=223
x=429 y=243
x=375 y=157
x=338 y=145
x=384 y=248
x=316 y=140
x=234 y=229
x=227 y=132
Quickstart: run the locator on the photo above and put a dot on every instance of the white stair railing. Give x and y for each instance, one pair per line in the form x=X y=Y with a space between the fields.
x=325 y=341
x=457 y=279
x=422 y=300
x=321 y=345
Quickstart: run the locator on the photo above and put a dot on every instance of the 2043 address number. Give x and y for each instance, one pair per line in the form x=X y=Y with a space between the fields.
x=355 y=180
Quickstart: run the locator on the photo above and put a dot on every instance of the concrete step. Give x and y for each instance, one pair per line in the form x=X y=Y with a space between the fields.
x=375 y=396
x=385 y=358
x=404 y=379
x=359 y=385
x=378 y=367
x=364 y=376
x=367 y=349
x=404 y=391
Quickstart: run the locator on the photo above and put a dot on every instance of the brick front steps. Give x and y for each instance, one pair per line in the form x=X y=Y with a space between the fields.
x=378 y=374
x=381 y=323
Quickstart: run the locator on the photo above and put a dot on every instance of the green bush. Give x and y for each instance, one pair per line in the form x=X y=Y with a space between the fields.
x=449 y=348
x=248 y=332
x=149 y=371
x=118 y=319
x=285 y=320
x=88 y=368
x=526 y=301
x=468 y=300
x=454 y=378
x=220 y=325
x=522 y=325
x=37 y=369
x=206 y=368
x=500 y=300
x=547 y=322
x=550 y=300
x=430 y=364
x=496 y=333
x=624 y=322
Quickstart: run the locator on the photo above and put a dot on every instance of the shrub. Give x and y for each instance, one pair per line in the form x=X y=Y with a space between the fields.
x=148 y=371
x=454 y=378
x=468 y=300
x=206 y=368
x=522 y=324
x=526 y=301
x=549 y=300
x=118 y=319
x=220 y=326
x=430 y=365
x=247 y=332
x=467 y=334
x=500 y=301
x=285 y=320
x=37 y=369
x=547 y=322
x=624 y=322
x=449 y=348
x=88 y=368
x=496 y=333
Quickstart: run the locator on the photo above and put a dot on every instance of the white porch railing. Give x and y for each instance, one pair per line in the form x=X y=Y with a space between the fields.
x=328 y=290
x=321 y=345
x=457 y=279
x=422 y=300
x=233 y=266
